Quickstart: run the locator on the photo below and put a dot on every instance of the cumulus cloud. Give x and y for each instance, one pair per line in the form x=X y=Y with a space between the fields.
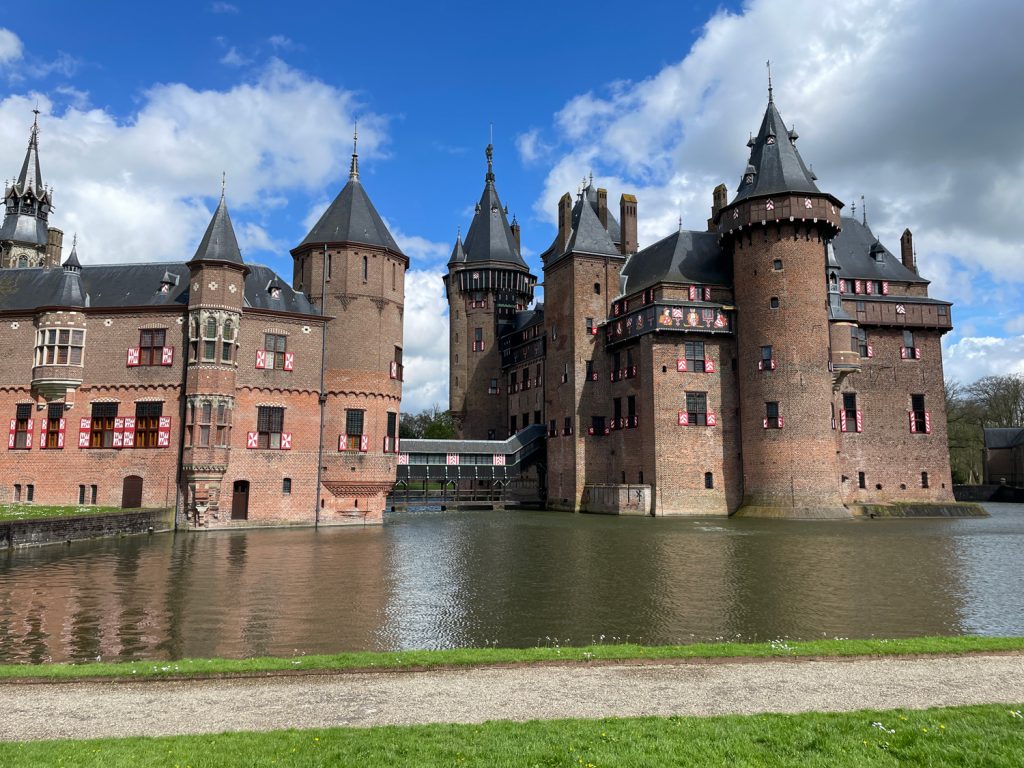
x=10 y=46
x=903 y=102
x=426 y=341
x=972 y=357
x=222 y=7
x=531 y=147
x=232 y=58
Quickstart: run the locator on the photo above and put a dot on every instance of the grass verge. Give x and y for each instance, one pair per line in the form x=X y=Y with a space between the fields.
x=48 y=512
x=463 y=657
x=991 y=735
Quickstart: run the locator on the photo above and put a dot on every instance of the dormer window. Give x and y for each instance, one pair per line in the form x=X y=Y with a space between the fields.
x=167 y=282
x=274 y=289
x=770 y=140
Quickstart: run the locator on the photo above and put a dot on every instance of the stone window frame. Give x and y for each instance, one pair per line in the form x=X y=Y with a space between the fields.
x=49 y=343
x=696 y=408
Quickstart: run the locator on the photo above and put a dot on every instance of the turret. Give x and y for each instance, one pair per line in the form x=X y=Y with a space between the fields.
x=24 y=236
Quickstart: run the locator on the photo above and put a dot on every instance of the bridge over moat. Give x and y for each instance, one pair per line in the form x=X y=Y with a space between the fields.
x=481 y=473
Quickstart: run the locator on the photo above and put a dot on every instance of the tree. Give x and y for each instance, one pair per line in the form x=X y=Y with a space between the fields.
x=431 y=423
x=994 y=401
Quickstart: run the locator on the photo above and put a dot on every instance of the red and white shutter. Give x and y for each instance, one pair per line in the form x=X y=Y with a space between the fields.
x=781 y=423
x=163 y=432
x=261 y=358
x=42 y=433
x=712 y=419
x=842 y=286
x=403 y=459
x=842 y=420
x=760 y=365
x=394 y=369
x=913 y=421
x=10 y=437
x=860 y=421
x=928 y=422
x=709 y=366
x=118 y=432
x=84 y=425
x=60 y=433
x=128 y=441
x=868 y=286
x=342 y=442
x=252 y=440
x=885 y=287
x=133 y=356
x=693 y=293
x=858 y=286
x=286 y=441
x=871 y=350
x=707 y=294
x=167 y=356
x=903 y=352
x=28 y=435
x=683 y=419
x=453 y=459
x=289 y=361
x=499 y=459
x=681 y=364
x=771 y=363
x=364 y=443
x=765 y=423
x=917 y=353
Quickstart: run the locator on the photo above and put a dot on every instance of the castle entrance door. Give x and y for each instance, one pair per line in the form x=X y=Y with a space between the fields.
x=131 y=492
x=240 y=500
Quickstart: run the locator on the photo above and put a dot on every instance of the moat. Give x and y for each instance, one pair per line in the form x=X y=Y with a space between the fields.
x=432 y=579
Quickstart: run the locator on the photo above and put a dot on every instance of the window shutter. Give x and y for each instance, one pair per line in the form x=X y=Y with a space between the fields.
x=499 y=459
x=364 y=443
x=917 y=353
x=252 y=440
x=707 y=294
x=683 y=419
x=261 y=358
x=712 y=419
x=766 y=423
x=28 y=435
x=868 y=286
x=128 y=441
x=858 y=286
x=403 y=458
x=133 y=356
x=167 y=356
x=453 y=459
x=871 y=350
x=84 y=425
x=709 y=366
x=394 y=369
x=903 y=352
x=42 y=433
x=842 y=286
x=10 y=437
x=118 y=432
x=163 y=433
x=913 y=421
x=286 y=441
x=289 y=361
x=760 y=365
x=842 y=420
x=693 y=293
x=885 y=287
x=860 y=421
x=928 y=422
x=60 y=433
x=590 y=431
x=781 y=423
x=681 y=364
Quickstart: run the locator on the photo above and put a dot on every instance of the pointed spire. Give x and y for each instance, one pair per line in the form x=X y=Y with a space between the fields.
x=863 y=211
x=72 y=264
x=353 y=171
x=458 y=252
x=223 y=183
x=768 y=64
x=219 y=242
x=490 y=163
x=31 y=176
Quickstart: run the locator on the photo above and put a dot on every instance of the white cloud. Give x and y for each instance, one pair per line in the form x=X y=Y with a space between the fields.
x=234 y=59
x=281 y=42
x=10 y=46
x=419 y=248
x=425 y=350
x=530 y=146
x=973 y=357
x=222 y=7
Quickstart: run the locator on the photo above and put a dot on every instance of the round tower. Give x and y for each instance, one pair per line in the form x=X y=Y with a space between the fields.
x=487 y=283
x=776 y=230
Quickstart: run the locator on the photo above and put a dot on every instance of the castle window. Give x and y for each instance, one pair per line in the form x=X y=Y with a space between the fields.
x=286 y=486
x=151 y=346
x=227 y=347
x=771 y=416
x=924 y=481
x=30 y=492
x=274 y=345
x=909 y=351
x=223 y=425
x=536 y=417
x=59 y=346
x=391 y=439
x=551 y=428
x=632 y=420
x=81 y=494
x=147 y=423
x=777 y=266
x=478 y=339
x=354 y=422
x=767 y=361
x=859 y=341
x=22 y=432
x=17 y=492
x=694 y=351
x=22 y=262
x=567 y=428
x=54 y=415
x=597 y=289
x=709 y=480
x=210 y=339
x=512 y=424
x=919 y=417
x=850 y=420
x=591 y=330
x=93 y=494
x=269 y=426
x=366 y=269
x=861 y=480
x=205 y=420
x=697 y=409
x=774 y=303
x=101 y=426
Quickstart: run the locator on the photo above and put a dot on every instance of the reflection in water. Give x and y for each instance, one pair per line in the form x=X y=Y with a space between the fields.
x=449 y=579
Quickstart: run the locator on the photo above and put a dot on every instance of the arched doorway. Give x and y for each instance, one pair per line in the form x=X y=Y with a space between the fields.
x=131 y=492
x=240 y=500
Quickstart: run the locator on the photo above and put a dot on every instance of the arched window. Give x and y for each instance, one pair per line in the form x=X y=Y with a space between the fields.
x=597 y=288
x=228 y=342
x=210 y=338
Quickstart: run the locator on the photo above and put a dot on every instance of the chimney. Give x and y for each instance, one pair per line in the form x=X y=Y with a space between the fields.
x=54 y=246
x=515 y=233
x=627 y=222
x=907 y=250
x=602 y=206
x=719 y=199
x=564 y=222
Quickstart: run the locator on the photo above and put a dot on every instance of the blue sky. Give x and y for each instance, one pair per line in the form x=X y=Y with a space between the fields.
x=904 y=102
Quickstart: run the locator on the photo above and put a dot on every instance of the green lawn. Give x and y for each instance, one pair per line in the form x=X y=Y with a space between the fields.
x=991 y=736
x=47 y=512
x=484 y=656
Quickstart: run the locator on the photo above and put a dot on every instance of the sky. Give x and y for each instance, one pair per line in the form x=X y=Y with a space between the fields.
x=914 y=104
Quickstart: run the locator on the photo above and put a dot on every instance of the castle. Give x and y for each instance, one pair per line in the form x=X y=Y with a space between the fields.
x=210 y=385
x=781 y=363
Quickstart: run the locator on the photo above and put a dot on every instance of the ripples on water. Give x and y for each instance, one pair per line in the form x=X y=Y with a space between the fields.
x=433 y=579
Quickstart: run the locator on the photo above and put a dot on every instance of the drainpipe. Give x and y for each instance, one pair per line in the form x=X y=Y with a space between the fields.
x=323 y=396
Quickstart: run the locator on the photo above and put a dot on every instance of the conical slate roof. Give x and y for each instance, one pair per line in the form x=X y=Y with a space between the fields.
x=21 y=226
x=31 y=177
x=490 y=237
x=219 y=243
x=458 y=252
x=775 y=166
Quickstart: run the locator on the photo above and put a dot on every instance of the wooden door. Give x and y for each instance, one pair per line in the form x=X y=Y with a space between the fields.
x=240 y=500
x=131 y=492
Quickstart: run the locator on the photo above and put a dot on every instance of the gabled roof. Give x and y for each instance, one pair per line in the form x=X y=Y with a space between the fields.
x=682 y=257
x=219 y=242
x=1004 y=437
x=775 y=166
x=490 y=237
x=856 y=248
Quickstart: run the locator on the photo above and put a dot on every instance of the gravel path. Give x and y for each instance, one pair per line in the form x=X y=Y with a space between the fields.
x=84 y=710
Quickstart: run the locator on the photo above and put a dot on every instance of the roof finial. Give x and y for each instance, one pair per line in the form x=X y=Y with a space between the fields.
x=853 y=209
x=490 y=156
x=680 y=222
x=74 y=241
x=769 y=65
x=863 y=211
x=223 y=183
x=591 y=177
x=458 y=232
x=353 y=171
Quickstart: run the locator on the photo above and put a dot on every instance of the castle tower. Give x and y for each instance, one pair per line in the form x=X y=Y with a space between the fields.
x=353 y=270
x=486 y=284
x=776 y=230
x=24 y=238
x=214 y=316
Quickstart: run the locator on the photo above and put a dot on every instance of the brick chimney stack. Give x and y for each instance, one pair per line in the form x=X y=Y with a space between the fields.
x=564 y=221
x=907 y=250
x=54 y=246
x=602 y=206
x=627 y=221
x=719 y=199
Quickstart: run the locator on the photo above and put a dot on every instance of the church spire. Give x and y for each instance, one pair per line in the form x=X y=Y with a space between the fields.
x=353 y=171
x=31 y=176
